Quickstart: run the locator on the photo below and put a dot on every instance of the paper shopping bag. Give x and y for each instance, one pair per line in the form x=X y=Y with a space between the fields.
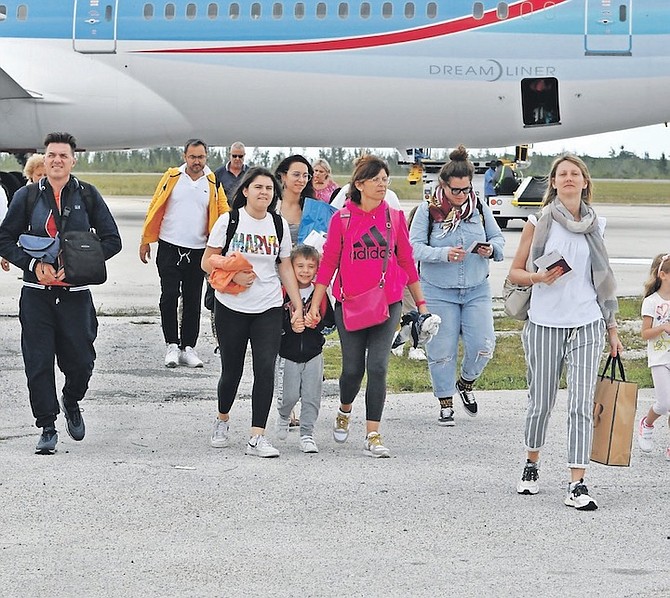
x=614 y=407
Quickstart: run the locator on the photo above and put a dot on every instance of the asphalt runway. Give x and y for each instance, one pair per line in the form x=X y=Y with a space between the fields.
x=144 y=506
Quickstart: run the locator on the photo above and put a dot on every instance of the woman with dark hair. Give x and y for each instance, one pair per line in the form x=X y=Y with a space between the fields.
x=454 y=236
x=367 y=241
x=570 y=310
x=253 y=311
x=295 y=175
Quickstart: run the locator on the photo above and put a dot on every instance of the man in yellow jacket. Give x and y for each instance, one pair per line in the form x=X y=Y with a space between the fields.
x=182 y=212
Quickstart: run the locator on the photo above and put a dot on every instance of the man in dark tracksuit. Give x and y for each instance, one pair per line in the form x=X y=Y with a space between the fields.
x=58 y=320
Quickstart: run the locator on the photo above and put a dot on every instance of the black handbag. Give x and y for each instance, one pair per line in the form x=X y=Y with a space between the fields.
x=83 y=258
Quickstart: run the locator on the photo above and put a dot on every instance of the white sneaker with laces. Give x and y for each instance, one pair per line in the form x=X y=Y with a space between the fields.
x=220 y=438
x=281 y=427
x=260 y=446
x=307 y=444
x=189 y=358
x=172 y=355
x=578 y=497
x=341 y=426
x=644 y=436
x=374 y=446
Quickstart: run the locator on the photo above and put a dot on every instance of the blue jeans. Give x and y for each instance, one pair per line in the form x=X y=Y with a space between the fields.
x=466 y=313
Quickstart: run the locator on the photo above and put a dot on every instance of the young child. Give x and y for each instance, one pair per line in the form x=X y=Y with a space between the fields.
x=656 y=331
x=301 y=349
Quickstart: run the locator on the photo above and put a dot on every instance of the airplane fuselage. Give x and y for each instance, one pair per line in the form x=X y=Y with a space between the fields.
x=126 y=73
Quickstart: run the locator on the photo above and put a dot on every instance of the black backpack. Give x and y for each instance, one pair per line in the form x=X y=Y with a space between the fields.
x=230 y=231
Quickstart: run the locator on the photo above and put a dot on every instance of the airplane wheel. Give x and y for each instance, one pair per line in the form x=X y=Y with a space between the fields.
x=502 y=222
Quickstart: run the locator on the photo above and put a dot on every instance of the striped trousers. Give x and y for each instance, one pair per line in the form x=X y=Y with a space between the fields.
x=547 y=351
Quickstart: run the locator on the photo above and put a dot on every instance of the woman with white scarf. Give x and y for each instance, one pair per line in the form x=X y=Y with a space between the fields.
x=571 y=309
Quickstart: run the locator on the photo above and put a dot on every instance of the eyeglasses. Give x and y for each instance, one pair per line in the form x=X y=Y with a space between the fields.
x=300 y=175
x=381 y=180
x=458 y=191
x=237 y=155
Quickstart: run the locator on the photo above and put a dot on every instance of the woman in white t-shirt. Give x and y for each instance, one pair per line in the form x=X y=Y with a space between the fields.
x=253 y=315
x=571 y=307
x=656 y=331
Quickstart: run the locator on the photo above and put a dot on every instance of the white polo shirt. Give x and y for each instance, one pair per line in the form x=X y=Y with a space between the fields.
x=187 y=212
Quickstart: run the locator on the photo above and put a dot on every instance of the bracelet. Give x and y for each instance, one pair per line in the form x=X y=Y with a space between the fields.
x=530 y=277
x=420 y=302
x=612 y=325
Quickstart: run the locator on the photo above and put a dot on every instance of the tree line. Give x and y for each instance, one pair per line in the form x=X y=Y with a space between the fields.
x=620 y=164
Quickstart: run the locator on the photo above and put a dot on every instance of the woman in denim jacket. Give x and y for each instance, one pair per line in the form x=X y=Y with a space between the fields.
x=453 y=261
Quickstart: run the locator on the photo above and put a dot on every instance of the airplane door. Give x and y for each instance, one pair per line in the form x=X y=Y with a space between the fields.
x=608 y=27
x=94 y=29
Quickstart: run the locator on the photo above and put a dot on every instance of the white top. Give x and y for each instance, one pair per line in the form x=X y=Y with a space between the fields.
x=658 y=349
x=187 y=212
x=3 y=204
x=391 y=198
x=257 y=241
x=571 y=301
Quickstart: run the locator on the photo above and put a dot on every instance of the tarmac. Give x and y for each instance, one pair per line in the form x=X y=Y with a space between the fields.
x=144 y=506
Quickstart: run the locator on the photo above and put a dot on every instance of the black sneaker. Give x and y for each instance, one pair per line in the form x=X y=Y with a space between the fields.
x=46 y=445
x=578 y=497
x=528 y=483
x=446 y=417
x=468 y=398
x=74 y=421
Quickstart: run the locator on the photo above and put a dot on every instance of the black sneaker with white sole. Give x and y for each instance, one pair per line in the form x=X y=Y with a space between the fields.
x=446 y=417
x=467 y=396
x=528 y=483
x=578 y=497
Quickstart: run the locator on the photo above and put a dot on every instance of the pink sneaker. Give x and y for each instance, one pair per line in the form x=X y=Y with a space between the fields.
x=667 y=454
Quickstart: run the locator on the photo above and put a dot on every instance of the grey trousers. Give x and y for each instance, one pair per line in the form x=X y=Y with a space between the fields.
x=547 y=351
x=302 y=382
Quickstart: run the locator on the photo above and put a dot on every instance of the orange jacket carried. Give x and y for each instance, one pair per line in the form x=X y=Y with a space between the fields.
x=224 y=268
x=218 y=204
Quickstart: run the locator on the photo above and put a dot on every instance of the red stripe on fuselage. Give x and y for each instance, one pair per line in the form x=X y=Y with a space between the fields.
x=468 y=23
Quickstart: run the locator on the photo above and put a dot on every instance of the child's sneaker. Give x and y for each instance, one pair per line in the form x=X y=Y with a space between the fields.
x=644 y=436
x=260 y=446
x=667 y=454
x=281 y=427
x=578 y=497
x=446 y=417
x=307 y=444
x=341 y=426
x=528 y=483
x=220 y=434
x=374 y=446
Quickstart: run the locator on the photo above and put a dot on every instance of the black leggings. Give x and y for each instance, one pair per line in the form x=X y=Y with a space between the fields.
x=234 y=330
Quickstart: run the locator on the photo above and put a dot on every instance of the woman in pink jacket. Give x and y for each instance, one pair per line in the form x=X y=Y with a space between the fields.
x=357 y=242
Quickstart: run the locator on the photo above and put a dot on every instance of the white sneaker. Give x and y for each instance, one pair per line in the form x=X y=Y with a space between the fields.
x=281 y=427
x=528 y=483
x=417 y=354
x=578 y=497
x=644 y=436
x=172 y=355
x=220 y=438
x=307 y=445
x=189 y=358
x=260 y=446
x=374 y=446
x=341 y=426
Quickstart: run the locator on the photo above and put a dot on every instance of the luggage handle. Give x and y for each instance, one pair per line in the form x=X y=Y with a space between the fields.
x=613 y=361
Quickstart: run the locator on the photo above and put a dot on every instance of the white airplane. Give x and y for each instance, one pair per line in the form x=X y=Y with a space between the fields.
x=375 y=73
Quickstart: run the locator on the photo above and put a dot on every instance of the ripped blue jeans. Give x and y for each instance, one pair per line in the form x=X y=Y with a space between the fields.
x=467 y=314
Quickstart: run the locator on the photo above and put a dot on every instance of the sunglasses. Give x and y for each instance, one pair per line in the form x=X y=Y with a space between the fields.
x=459 y=190
x=237 y=155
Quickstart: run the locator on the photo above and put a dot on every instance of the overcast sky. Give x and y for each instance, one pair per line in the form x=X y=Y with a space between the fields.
x=654 y=140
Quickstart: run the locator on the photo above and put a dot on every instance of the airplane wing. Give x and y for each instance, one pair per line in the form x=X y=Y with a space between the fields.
x=10 y=89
